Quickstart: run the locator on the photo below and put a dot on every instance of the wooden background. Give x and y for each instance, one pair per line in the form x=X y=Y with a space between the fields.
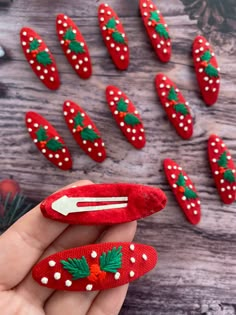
x=196 y=273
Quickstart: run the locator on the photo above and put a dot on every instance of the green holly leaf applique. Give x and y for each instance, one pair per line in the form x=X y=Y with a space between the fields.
x=89 y=134
x=76 y=47
x=206 y=56
x=34 y=45
x=78 y=268
x=118 y=38
x=161 y=30
x=172 y=96
x=181 y=108
x=54 y=145
x=122 y=106
x=189 y=193
x=181 y=180
x=44 y=58
x=154 y=16
x=41 y=134
x=229 y=176
x=211 y=71
x=112 y=260
x=111 y=24
x=69 y=35
x=132 y=120
x=223 y=162
x=78 y=120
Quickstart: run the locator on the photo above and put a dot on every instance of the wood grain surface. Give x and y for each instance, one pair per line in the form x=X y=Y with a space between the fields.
x=196 y=273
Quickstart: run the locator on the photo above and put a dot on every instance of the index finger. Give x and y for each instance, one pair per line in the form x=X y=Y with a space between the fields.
x=23 y=243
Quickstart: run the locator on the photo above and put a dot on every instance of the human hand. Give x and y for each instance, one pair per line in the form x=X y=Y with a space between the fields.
x=34 y=237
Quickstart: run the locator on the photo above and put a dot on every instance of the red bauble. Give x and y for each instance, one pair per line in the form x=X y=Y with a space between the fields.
x=9 y=186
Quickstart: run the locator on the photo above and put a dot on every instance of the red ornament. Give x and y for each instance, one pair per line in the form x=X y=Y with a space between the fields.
x=9 y=187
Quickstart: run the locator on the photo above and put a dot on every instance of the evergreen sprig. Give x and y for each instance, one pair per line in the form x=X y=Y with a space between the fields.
x=78 y=268
x=112 y=260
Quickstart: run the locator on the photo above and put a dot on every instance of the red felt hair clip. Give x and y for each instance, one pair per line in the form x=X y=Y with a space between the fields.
x=126 y=115
x=95 y=267
x=157 y=29
x=184 y=191
x=223 y=169
x=207 y=70
x=114 y=36
x=48 y=141
x=74 y=46
x=84 y=131
x=103 y=204
x=40 y=58
x=176 y=107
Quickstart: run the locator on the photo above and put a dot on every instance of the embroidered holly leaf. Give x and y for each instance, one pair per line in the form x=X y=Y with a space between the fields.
x=161 y=30
x=41 y=134
x=122 y=106
x=54 y=145
x=112 y=260
x=78 y=268
x=181 y=180
x=78 y=120
x=69 y=35
x=189 y=193
x=89 y=134
x=34 y=45
x=229 y=176
x=172 y=96
x=76 y=47
x=111 y=24
x=181 y=108
x=223 y=162
x=44 y=58
x=118 y=38
x=211 y=71
x=206 y=56
x=132 y=120
x=154 y=16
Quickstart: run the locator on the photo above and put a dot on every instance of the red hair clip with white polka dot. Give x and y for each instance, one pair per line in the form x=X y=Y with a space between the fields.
x=40 y=58
x=84 y=131
x=157 y=29
x=48 y=141
x=74 y=46
x=114 y=36
x=176 y=107
x=223 y=169
x=95 y=267
x=207 y=70
x=126 y=116
x=184 y=190
x=103 y=204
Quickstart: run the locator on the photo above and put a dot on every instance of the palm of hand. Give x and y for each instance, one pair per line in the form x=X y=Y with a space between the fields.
x=34 y=237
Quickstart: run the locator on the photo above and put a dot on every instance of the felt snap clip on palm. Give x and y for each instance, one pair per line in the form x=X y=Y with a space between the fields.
x=74 y=46
x=84 y=131
x=184 y=191
x=114 y=36
x=157 y=29
x=48 y=141
x=175 y=106
x=126 y=116
x=95 y=267
x=223 y=169
x=103 y=204
x=40 y=58
x=207 y=70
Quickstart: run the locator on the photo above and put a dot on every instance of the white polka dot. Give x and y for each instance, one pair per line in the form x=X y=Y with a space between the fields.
x=31 y=62
x=173 y=176
x=184 y=198
x=57 y=275
x=173 y=115
x=65 y=24
x=104 y=28
x=53 y=69
x=89 y=149
x=216 y=151
x=44 y=151
x=196 y=51
x=102 y=11
x=181 y=124
x=68 y=283
x=59 y=21
x=216 y=172
x=131 y=273
x=169 y=167
x=144 y=5
x=94 y=254
x=214 y=160
x=60 y=163
x=51 y=156
x=89 y=287
x=117 y=276
x=24 y=33
x=132 y=259
x=140 y=138
x=230 y=196
x=195 y=212
x=42 y=77
x=154 y=36
x=222 y=181
x=186 y=128
x=44 y=280
x=181 y=117
x=51 y=79
x=128 y=129
x=213 y=144
x=29 y=129
x=52 y=263
x=163 y=93
x=76 y=67
x=122 y=57
x=133 y=138
x=200 y=70
x=228 y=187
x=207 y=88
x=132 y=247
x=62 y=42
x=144 y=256
x=122 y=124
x=222 y=189
x=102 y=19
